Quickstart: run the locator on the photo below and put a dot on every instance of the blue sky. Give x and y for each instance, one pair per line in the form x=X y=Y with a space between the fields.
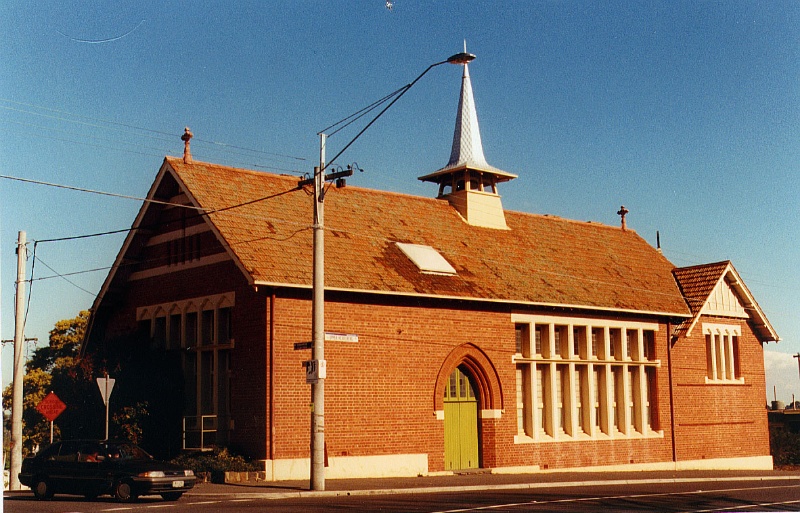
x=687 y=113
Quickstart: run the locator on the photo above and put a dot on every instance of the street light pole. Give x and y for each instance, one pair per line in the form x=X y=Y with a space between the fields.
x=318 y=285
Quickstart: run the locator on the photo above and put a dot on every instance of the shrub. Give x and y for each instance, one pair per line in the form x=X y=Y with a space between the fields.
x=785 y=447
x=215 y=463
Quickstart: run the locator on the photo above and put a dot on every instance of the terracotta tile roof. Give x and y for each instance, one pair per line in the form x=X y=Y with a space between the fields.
x=540 y=259
x=698 y=282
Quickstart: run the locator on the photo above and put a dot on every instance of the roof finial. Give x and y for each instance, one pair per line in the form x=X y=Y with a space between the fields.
x=187 y=152
x=621 y=213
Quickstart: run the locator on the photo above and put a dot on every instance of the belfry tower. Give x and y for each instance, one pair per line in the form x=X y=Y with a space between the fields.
x=468 y=182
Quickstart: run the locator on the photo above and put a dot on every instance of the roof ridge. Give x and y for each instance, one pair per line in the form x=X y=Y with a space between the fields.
x=173 y=160
x=569 y=220
x=705 y=266
x=267 y=174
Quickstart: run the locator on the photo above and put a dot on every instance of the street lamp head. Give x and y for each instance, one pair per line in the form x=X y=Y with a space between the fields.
x=461 y=58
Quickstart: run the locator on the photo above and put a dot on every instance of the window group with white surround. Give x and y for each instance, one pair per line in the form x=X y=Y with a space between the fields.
x=584 y=379
x=722 y=353
x=202 y=329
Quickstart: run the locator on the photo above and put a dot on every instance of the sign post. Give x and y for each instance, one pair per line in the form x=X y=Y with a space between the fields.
x=105 y=384
x=51 y=407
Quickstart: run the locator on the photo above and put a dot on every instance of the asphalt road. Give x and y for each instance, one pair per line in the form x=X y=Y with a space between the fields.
x=736 y=496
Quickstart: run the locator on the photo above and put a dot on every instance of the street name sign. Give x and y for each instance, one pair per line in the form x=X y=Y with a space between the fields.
x=340 y=337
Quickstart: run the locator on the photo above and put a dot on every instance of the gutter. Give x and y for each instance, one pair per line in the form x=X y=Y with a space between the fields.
x=671 y=393
x=478 y=300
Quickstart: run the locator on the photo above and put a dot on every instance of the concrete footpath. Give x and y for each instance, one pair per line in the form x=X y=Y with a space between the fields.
x=474 y=481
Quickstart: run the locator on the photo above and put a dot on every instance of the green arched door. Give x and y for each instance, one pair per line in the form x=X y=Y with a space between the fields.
x=460 y=423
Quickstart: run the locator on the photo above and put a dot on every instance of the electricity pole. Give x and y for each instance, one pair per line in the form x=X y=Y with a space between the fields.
x=318 y=328
x=19 y=369
x=798 y=361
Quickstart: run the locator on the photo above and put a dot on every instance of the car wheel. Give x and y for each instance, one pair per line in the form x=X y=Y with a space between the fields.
x=42 y=489
x=171 y=496
x=123 y=492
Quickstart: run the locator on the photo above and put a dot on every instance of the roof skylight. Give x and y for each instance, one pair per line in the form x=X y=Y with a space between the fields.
x=427 y=259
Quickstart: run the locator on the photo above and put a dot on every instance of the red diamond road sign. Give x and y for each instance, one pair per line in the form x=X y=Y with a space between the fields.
x=51 y=407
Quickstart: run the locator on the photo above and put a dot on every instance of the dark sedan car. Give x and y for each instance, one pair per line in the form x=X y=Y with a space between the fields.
x=92 y=468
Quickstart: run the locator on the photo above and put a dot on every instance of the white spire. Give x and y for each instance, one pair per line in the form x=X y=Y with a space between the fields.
x=467 y=148
x=468 y=182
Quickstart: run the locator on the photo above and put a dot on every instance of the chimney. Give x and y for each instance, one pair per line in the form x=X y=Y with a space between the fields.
x=621 y=213
x=187 y=152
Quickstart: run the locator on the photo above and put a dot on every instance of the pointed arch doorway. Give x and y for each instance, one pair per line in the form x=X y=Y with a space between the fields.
x=461 y=442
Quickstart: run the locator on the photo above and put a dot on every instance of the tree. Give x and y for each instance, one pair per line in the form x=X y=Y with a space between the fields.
x=146 y=403
x=57 y=367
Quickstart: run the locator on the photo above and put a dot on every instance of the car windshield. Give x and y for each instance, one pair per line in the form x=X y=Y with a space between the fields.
x=125 y=451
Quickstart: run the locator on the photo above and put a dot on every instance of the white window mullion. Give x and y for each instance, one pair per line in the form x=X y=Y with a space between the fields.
x=624 y=399
x=721 y=356
x=713 y=355
x=570 y=404
x=640 y=400
x=729 y=365
x=542 y=421
x=550 y=394
x=640 y=345
x=590 y=379
x=591 y=406
x=529 y=385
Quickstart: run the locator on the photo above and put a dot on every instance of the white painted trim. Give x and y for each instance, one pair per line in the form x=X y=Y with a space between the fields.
x=413 y=465
x=228 y=299
x=521 y=439
x=719 y=329
x=178 y=234
x=350 y=467
x=587 y=308
x=168 y=269
x=582 y=321
x=724 y=302
x=744 y=463
x=737 y=381
x=491 y=414
x=521 y=469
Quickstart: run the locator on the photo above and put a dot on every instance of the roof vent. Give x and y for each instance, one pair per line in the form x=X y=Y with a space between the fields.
x=427 y=259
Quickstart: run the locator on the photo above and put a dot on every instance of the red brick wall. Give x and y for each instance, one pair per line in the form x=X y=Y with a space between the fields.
x=249 y=364
x=380 y=392
x=719 y=420
x=249 y=358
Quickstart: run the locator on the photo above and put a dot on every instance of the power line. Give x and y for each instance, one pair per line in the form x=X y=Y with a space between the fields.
x=92 y=191
x=156 y=134
x=232 y=207
x=62 y=276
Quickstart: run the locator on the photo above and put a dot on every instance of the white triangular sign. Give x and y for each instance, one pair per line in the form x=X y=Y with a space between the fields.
x=105 y=385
